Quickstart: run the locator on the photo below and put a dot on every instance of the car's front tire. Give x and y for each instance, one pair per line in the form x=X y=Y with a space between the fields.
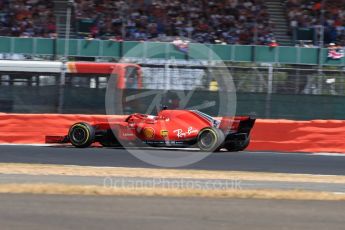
x=81 y=135
x=210 y=139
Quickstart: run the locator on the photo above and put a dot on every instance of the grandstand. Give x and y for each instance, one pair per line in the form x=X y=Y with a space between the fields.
x=311 y=15
x=225 y=22
x=230 y=22
x=27 y=18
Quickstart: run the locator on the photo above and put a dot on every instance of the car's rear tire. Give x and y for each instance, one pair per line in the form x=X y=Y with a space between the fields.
x=210 y=139
x=81 y=135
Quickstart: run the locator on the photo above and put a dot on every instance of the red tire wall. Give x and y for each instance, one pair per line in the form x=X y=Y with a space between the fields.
x=32 y=128
x=298 y=136
x=267 y=134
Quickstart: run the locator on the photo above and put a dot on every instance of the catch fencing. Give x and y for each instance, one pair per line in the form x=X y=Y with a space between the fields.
x=266 y=90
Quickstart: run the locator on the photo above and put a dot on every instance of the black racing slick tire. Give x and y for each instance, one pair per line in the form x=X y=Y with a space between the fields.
x=81 y=135
x=210 y=139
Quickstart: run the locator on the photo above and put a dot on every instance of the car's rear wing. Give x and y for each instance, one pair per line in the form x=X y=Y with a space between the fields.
x=237 y=124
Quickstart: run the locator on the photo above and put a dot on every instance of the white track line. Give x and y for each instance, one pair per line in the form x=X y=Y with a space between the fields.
x=187 y=149
x=36 y=145
x=329 y=154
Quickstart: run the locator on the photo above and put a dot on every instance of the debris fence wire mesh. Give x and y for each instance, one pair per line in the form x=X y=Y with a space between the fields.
x=302 y=92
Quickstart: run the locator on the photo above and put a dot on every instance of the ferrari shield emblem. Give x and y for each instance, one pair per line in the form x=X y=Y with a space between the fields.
x=149 y=132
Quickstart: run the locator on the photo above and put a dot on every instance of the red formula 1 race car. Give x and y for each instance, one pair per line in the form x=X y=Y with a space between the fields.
x=170 y=128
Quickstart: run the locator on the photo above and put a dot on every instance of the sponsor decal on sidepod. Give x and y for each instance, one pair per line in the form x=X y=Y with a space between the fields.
x=181 y=134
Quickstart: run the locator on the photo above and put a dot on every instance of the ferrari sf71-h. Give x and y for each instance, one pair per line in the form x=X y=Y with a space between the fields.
x=170 y=128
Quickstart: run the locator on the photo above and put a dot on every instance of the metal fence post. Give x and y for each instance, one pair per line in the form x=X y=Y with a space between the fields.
x=66 y=51
x=269 y=91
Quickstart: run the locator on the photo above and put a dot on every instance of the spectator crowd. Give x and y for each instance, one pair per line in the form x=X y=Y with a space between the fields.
x=312 y=14
x=27 y=18
x=205 y=21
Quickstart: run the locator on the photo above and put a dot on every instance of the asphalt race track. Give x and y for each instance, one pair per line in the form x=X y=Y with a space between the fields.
x=35 y=212
x=25 y=211
x=237 y=161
